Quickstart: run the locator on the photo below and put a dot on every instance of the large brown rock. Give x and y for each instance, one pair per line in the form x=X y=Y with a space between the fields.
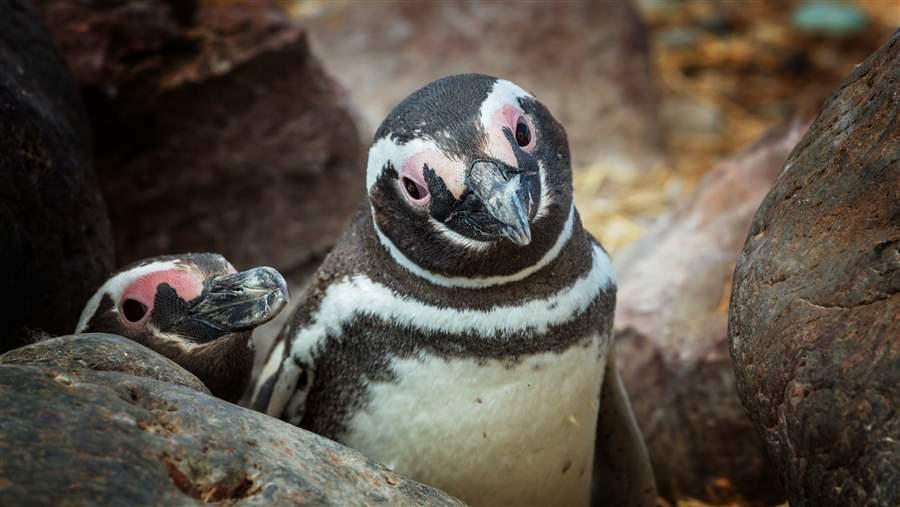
x=671 y=320
x=814 y=324
x=83 y=437
x=217 y=129
x=588 y=61
x=55 y=243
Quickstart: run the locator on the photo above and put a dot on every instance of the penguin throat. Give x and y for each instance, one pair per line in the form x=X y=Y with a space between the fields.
x=476 y=282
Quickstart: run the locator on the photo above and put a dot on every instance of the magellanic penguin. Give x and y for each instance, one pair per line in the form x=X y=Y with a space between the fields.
x=459 y=332
x=195 y=309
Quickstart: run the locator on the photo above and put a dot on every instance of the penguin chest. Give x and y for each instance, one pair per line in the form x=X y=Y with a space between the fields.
x=490 y=432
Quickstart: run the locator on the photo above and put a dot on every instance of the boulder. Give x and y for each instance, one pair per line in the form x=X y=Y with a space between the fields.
x=55 y=243
x=671 y=323
x=814 y=324
x=588 y=61
x=103 y=352
x=84 y=437
x=217 y=129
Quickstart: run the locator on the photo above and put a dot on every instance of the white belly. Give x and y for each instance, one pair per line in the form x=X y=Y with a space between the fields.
x=489 y=434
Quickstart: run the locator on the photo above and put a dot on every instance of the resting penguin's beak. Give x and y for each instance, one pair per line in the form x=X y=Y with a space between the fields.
x=239 y=301
x=506 y=198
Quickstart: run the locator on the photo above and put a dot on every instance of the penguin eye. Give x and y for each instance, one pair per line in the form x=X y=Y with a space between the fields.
x=523 y=133
x=133 y=310
x=415 y=191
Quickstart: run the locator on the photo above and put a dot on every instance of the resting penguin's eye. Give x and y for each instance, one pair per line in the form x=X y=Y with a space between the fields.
x=133 y=310
x=414 y=190
x=523 y=133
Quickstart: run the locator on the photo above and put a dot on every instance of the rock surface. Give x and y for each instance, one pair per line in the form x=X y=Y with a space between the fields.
x=217 y=129
x=671 y=320
x=55 y=243
x=84 y=437
x=814 y=324
x=588 y=61
x=102 y=352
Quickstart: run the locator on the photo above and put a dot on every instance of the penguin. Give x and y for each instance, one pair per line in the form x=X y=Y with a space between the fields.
x=195 y=309
x=460 y=330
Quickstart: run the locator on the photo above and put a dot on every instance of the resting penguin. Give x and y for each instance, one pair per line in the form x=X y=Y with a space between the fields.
x=459 y=332
x=195 y=309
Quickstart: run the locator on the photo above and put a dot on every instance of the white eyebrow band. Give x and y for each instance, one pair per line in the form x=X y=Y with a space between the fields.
x=476 y=283
x=115 y=286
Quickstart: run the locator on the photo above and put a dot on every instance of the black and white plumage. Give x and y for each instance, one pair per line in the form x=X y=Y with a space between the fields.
x=459 y=332
x=195 y=309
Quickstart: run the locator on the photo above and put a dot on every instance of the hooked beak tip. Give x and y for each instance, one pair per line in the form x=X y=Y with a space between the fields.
x=519 y=237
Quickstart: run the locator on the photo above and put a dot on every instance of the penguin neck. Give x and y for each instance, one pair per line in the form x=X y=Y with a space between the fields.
x=560 y=267
x=530 y=261
x=224 y=365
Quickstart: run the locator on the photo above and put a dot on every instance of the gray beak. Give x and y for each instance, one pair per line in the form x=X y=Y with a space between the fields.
x=503 y=191
x=241 y=301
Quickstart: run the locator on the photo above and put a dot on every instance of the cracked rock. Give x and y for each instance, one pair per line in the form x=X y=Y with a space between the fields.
x=83 y=437
x=814 y=324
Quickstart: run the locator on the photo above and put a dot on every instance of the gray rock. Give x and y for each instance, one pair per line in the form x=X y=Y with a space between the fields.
x=814 y=323
x=217 y=128
x=107 y=438
x=55 y=242
x=671 y=321
x=102 y=352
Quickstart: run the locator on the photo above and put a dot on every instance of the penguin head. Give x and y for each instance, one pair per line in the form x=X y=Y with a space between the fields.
x=470 y=176
x=195 y=309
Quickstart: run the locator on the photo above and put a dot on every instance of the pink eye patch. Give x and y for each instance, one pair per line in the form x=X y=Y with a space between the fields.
x=188 y=285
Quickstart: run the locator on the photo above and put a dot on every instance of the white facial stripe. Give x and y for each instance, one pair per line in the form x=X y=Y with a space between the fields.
x=477 y=283
x=457 y=238
x=504 y=92
x=546 y=196
x=387 y=150
x=116 y=285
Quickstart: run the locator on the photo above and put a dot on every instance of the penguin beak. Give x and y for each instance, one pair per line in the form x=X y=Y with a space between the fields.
x=240 y=301
x=506 y=198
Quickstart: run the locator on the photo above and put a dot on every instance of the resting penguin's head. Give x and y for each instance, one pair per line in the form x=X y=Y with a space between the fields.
x=195 y=309
x=470 y=177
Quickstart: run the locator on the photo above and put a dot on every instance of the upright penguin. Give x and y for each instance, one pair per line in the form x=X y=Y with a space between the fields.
x=195 y=309
x=459 y=331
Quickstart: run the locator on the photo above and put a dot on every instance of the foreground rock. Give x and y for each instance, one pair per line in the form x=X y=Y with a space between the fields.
x=588 y=61
x=814 y=324
x=85 y=437
x=671 y=320
x=103 y=352
x=217 y=129
x=55 y=243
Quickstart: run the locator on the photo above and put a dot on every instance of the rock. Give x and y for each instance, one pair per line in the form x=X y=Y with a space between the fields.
x=587 y=61
x=55 y=243
x=217 y=128
x=671 y=317
x=107 y=438
x=814 y=324
x=102 y=352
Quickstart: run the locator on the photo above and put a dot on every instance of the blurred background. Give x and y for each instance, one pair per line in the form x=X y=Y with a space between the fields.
x=652 y=93
x=241 y=127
